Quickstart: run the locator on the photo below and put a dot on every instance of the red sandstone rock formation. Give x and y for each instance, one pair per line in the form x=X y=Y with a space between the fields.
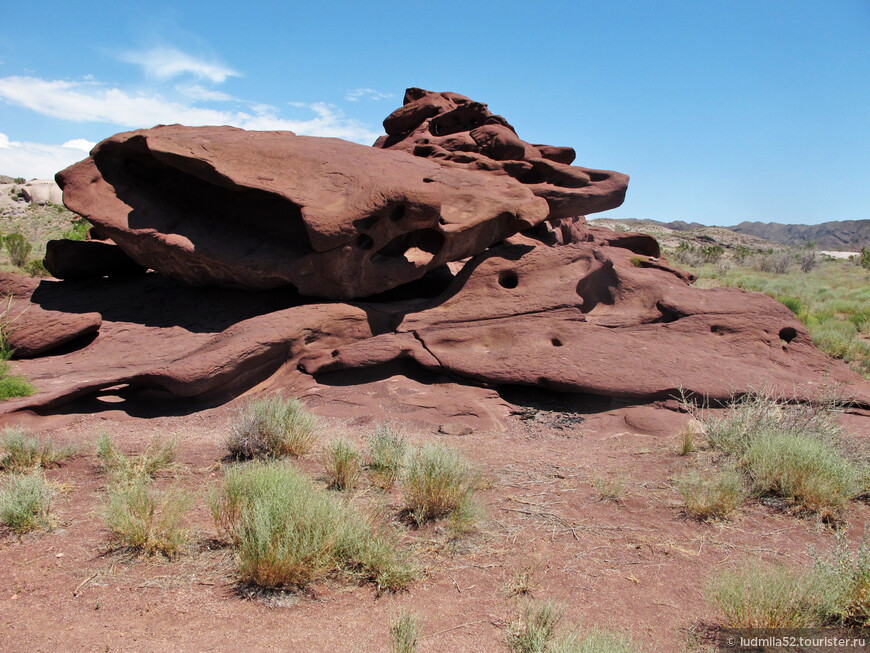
x=561 y=306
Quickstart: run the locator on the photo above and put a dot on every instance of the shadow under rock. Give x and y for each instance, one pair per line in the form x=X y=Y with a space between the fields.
x=153 y=300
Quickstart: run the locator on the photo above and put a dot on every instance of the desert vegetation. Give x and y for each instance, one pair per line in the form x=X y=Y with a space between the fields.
x=768 y=447
x=272 y=427
x=830 y=296
x=833 y=590
x=537 y=629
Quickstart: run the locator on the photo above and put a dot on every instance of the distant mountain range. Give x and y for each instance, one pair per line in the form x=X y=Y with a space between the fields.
x=844 y=235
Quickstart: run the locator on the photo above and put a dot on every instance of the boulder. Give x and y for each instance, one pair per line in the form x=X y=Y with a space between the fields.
x=227 y=207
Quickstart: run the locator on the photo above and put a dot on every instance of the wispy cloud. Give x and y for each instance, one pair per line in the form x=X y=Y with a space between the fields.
x=93 y=102
x=29 y=160
x=166 y=62
x=358 y=94
x=201 y=93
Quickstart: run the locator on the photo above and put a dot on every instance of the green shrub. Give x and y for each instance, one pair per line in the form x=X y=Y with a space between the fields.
x=437 y=481
x=386 y=456
x=712 y=495
x=864 y=258
x=146 y=520
x=22 y=452
x=272 y=427
x=289 y=532
x=36 y=268
x=78 y=231
x=404 y=632
x=11 y=385
x=342 y=462
x=25 y=500
x=18 y=249
x=763 y=595
x=159 y=455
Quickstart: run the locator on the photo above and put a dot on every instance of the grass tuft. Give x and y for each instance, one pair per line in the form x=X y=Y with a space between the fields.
x=386 y=456
x=689 y=435
x=437 y=482
x=712 y=495
x=159 y=455
x=272 y=427
x=289 y=532
x=22 y=452
x=146 y=520
x=792 y=451
x=609 y=488
x=522 y=582
x=764 y=595
x=25 y=500
x=342 y=462
x=535 y=629
x=404 y=632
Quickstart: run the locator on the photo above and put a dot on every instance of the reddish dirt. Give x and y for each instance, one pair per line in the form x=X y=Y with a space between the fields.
x=637 y=564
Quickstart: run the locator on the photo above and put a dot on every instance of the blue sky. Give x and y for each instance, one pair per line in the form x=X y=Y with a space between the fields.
x=721 y=111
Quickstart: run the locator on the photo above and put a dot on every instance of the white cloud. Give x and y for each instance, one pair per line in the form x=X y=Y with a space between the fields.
x=167 y=63
x=358 y=94
x=92 y=102
x=29 y=160
x=199 y=92
x=79 y=144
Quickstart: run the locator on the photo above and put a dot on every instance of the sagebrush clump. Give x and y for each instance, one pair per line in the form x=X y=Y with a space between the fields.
x=289 y=532
x=437 y=481
x=25 y=501
x=272 y=427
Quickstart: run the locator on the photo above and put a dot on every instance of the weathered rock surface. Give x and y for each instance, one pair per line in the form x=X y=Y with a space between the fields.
x=579 y=318
x=223 y=206
x=29 y=329
x=453 y=128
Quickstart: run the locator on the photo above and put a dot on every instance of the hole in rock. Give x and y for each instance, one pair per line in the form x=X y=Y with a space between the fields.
x=508 y=279
x=334 y=353
x=669 y=313
x=597 y=287
x=719 y=330
x=428 y=180
x=787 y=334
x=417 y=247
x=398 y=213
x=555 y=342
x=364 y=242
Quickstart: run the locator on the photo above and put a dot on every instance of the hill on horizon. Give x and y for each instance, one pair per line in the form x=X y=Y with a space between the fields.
x=839 y=235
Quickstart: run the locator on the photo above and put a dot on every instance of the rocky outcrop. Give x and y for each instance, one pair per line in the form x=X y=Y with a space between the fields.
x=512 y=289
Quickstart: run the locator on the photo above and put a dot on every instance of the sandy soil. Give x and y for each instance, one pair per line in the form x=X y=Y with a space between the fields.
x=636 y=564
